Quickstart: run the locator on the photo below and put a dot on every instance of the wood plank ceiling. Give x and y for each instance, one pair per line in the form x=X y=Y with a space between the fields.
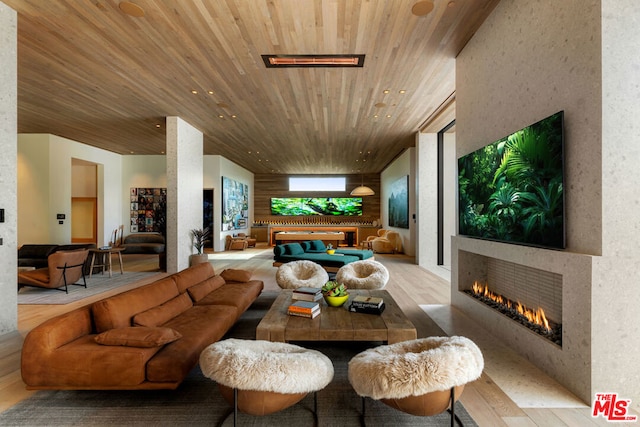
x=89 y=72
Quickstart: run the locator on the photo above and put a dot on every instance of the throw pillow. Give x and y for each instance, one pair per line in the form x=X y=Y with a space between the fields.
x=204 y=288
x=233 y=275
x=161 y=314
x=138 y=336
x=318 y=245
x=278 y=250
x=295 y=249
x=305 y=246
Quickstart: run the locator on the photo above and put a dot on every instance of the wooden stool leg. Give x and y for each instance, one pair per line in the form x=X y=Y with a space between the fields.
x=93 y=259
x=120 y=259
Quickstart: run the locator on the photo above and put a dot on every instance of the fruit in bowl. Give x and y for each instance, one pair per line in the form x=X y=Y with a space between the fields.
x=335 y=294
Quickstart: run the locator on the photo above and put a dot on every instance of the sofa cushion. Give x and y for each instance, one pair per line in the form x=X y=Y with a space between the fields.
x=238 y=295
x=138 y=336
x=236 y=275
x=199 y=326
x=144 y=238
x=317 y=245
x=202 y=289
x=36 y=251
x=278 y=250
x=163 y=313
x=193 y=275
x=118 y=311
x=306 y=245
x=294 y=249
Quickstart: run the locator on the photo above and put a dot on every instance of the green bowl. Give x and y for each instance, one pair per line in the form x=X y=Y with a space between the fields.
x=336 y=301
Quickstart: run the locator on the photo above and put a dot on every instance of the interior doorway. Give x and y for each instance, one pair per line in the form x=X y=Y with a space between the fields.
x=84 y=201
x=207 y=215
x=447 y=193
x=84 y=223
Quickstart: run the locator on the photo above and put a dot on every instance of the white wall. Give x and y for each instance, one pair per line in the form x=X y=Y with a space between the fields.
x=215 y=167
x=44 y=186
x=33 y=190
x=8 y=167
x=140 y=172
x=402 y=166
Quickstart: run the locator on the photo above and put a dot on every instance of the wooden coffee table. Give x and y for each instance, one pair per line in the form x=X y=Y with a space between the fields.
x=336 y=323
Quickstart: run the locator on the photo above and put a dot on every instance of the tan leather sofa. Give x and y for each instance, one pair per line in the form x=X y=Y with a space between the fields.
x=146 y=338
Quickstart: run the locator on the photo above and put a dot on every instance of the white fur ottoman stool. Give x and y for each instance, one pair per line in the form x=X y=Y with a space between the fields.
x=420 y=377
x=297 y=274
x=263 y=377
x=365 y=274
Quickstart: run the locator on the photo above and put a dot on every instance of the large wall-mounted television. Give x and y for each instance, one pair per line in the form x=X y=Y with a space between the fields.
x=299 y=206
x=512 y=190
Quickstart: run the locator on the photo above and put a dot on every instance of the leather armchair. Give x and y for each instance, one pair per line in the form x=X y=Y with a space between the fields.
x=236 y=243
x=64 y=268
x=251 y=242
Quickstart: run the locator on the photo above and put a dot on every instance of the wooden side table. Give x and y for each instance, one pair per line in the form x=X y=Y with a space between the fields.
x=105 y=259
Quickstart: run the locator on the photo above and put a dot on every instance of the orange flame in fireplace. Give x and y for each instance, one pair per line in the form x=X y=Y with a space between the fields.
x=536 y=316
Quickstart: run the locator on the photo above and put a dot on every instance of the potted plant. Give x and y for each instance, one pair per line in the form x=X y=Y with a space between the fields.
x=335 y=294
x=199 y=237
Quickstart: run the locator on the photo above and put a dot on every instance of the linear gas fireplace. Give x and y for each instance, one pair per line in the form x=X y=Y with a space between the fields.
x=534 y=319
x=537 y=301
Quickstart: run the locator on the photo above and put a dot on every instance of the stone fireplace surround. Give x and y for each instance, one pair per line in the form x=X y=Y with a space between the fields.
x=570 y=364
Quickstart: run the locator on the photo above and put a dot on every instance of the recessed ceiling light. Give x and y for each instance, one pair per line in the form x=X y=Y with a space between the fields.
x=388 y=116
x=158 y=125
x=220 y=116
x=385 y=91
x=375 y=116
x=402 y=91
x=222 y=105
x=380 y=105
x=422 y=8
x=193 y=91
x=233 y=116
x=131 y=9
x=210 y=92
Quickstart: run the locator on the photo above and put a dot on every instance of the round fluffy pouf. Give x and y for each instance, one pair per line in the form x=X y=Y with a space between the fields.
x=297 y=274
x=269 y=376
x=365 y=274
x=416 y=376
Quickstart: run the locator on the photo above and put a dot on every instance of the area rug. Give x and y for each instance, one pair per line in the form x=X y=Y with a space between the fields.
x=95 y=285
x=197 y=402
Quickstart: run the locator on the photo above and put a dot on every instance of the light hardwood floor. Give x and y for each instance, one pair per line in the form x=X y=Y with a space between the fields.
x=410 y=286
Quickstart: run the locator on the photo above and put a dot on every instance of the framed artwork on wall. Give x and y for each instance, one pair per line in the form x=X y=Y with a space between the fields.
x=148 y=210
x=399 y=203
x=235 y=204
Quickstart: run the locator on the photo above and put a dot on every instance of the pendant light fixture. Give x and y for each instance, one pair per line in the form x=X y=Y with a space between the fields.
x=362 y=190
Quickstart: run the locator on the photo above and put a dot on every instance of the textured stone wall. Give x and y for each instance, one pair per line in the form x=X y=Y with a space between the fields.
x=8 y=167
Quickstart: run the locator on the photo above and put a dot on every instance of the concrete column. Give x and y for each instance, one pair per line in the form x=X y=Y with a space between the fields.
x=184 y=190
x=8 y=167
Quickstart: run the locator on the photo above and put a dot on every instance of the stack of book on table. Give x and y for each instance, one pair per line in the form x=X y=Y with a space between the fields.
x=308 y=309
x=307 y=294
x=365 y=304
